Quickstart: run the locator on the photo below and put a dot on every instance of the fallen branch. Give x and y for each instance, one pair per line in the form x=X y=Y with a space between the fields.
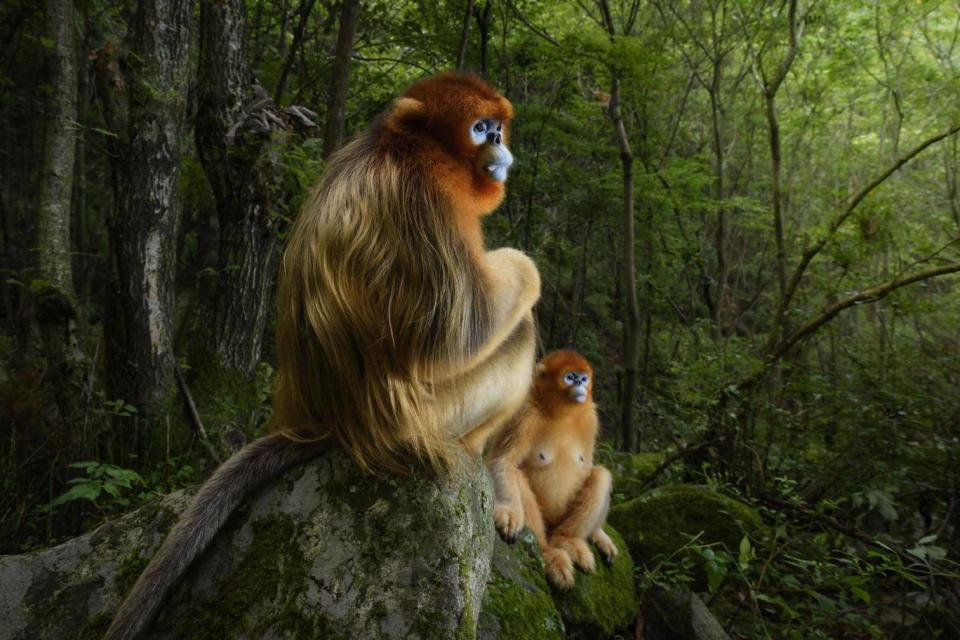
x=195 y=415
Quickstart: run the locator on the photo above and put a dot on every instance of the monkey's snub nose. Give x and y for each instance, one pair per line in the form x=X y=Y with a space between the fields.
x=498 y=162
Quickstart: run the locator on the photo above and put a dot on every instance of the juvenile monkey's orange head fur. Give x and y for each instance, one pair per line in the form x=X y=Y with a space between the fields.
x=564 y=379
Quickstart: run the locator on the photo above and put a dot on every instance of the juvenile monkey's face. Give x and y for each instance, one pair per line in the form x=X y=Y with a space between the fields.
x=493 y=158
x=564 y=376
x=577 y=384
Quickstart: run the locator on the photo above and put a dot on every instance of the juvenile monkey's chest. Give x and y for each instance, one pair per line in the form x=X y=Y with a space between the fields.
x=556 y=469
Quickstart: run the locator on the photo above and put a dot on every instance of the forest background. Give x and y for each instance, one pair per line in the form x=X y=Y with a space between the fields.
x=745 y=212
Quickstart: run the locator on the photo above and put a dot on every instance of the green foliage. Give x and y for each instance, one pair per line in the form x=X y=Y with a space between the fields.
x=106 y=486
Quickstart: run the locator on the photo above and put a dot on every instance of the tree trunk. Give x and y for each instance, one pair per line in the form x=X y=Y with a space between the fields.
x=337 y=105
x=483 y=24
x=145 y=105
x=241 y=171
x=56 y=311
x=464 y=37
x=631 y=323
x=305 y=10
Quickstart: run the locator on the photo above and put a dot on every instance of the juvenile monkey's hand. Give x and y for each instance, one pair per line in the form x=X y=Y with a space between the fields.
x=509 y=521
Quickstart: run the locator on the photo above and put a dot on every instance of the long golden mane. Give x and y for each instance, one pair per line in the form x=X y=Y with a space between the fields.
x=378 y=291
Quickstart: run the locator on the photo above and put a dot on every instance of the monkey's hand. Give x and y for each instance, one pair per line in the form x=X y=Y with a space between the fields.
x=514 y=283
x=605 y=545
x=509 y=521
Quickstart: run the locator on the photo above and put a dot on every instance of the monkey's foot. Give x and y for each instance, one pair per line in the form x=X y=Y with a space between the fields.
x=509 y=521
x=578 y=550
x=558 y=567
x=605 y=544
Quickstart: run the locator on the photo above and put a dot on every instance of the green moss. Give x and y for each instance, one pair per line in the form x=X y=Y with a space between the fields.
x=272 y=564
x=630 y=471
x=602 y=602
x=128 y=572
x=518 y=603
x=95 y=629
x=661 y=522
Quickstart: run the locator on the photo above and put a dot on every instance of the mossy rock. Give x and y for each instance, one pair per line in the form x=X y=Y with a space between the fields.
x=325 y=551
x=659 y=523
x=519 y=603
x=630 y=471
x=603 y=602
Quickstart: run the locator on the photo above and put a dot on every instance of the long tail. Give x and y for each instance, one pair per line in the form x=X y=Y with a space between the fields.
x=253 y=465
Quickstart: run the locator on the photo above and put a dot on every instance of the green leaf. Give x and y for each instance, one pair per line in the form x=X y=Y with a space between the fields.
x=860 y=593
x=746 y=552
x=87 y=491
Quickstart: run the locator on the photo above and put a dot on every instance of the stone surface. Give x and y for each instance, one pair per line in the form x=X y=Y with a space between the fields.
x=519 y=603
x=323 y=552
x=630 y=471
x=661 y=522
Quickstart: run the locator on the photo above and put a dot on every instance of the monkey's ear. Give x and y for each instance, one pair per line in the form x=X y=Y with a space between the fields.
x=404 y=113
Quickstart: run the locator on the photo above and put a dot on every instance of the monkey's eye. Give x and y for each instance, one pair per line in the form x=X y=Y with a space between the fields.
x=570 y=378
x=585 y=379
x=478 y=132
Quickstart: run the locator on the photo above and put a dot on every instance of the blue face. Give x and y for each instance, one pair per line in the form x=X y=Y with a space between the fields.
x=577 y=384
x=495 y=159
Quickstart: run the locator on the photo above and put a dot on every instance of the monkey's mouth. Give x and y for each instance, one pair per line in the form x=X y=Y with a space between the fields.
x=578 y=394
x=497 y=163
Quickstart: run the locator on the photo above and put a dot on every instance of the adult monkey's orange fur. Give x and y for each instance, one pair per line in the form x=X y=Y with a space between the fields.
x=544 y=473
x=392 y=318
x=398 y=335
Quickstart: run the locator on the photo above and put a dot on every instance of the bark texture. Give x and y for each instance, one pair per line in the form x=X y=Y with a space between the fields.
x=56 y=311
x=241 y=164
x=145 y=104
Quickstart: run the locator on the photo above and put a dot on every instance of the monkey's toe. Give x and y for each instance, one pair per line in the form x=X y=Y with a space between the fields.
x=558 y=567
x=606 y=547
x=583 y=556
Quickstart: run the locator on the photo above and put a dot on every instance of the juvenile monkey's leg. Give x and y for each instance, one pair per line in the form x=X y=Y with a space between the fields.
x=584 y=516
x=557 y=563
x=600 y=538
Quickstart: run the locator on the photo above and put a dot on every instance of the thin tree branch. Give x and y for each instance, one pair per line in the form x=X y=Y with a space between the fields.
x=812 y=251
x=195 y=415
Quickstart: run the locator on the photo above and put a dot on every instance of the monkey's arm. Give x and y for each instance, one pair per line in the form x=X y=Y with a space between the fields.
x=493 y=381
x=510 y=512
x=249 y=468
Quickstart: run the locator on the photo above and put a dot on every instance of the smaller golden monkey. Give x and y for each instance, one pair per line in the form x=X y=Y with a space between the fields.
x=544 y=474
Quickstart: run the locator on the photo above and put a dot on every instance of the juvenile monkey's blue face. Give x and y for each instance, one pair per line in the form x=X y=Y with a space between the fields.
x=494 y=158
x=577 y=384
